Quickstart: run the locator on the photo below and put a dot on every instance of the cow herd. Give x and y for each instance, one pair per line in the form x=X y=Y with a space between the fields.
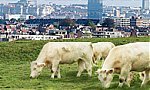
x=123 y=59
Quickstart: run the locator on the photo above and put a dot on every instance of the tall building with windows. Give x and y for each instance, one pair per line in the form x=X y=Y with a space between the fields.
x=145 y=4
x=95 y=9
x=1 y=9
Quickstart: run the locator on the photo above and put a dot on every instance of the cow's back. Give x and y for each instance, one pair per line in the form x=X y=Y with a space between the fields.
x=102 y=48
x=67 y=52
x=137 y=54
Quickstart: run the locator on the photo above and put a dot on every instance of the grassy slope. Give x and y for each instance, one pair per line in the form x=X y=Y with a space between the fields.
x=15 y=58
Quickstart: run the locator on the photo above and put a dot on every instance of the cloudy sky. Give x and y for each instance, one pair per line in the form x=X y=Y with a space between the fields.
x=106 y=2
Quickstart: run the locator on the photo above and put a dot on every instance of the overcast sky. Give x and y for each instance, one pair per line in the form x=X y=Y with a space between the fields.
x=136 y=3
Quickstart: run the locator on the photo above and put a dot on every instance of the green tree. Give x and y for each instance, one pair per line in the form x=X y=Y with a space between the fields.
x=108 y=22
x=20 y=20
x=56 y=24
x=67 y=22
x=13 y=20
x=90 y=23
x=2 y=21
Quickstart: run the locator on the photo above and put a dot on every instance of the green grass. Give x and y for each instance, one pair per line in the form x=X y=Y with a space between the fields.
x=15 y=58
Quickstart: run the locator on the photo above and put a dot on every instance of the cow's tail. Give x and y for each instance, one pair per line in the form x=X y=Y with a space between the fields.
x=93 y=59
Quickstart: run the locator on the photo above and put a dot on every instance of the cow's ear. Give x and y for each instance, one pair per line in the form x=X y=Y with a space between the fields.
x=110 y=71
x=41 y=64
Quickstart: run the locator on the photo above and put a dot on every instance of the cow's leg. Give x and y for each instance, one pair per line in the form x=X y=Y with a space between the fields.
x=97 y=60
x=94 y=60
x=129 y=78
x=124 y=74
x=50 y=68
x=81 y=67
x=146 y=78
x=58 y=72
x=88 y=66
x=55 y=66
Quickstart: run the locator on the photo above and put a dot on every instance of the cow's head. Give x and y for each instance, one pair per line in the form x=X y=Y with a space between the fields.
x=36 y=68
x=105 y=76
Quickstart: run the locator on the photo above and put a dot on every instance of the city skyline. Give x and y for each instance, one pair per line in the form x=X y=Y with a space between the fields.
x=135 y=3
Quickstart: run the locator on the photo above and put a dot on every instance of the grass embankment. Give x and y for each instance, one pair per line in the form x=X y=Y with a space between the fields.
x=15 y=58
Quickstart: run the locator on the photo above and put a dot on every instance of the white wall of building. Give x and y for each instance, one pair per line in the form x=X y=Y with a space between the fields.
x=35 y=37
x=17 y=16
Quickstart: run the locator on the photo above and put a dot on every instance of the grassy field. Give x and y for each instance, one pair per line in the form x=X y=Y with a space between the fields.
x=15 y=58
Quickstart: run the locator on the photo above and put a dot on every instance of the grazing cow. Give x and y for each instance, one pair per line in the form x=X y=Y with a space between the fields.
x=101 y=50
x=123 y=59
x=55 y=53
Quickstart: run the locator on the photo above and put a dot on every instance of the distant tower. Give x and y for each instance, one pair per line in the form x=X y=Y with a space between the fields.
x=95 y=9
x=117 y=12
x=145 y=4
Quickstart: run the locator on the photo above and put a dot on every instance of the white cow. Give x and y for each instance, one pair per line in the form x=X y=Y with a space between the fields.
x=123 y=59
x=55 y=53
x=101 y=50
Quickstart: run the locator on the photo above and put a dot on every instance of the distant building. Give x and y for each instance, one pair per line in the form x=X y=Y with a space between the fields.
x=45 y=10
x=117 y=13
x=34 y=37
x=122 y=22
x=23 y=2
x=138 y=22
x=146 y=22
x=17 y=16
x=32 y=2
x=61 y=33
x=86 y=34
x=15 y=8
x=1 y=9
x=95 y=9
x=107 y=34
x=145 y=4
x=32 y=10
